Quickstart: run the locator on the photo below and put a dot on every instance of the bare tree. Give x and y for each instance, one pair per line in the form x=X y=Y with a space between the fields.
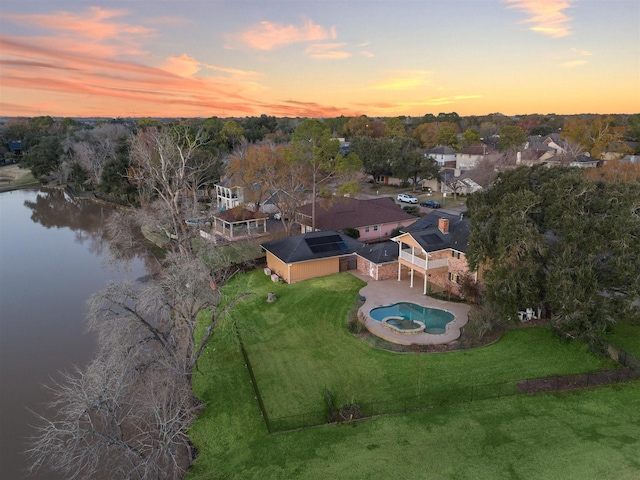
x=167 y=168
x=92 y=149
x=127 y=414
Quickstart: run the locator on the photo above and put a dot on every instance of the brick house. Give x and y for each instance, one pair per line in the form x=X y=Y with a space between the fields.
x=434 y=250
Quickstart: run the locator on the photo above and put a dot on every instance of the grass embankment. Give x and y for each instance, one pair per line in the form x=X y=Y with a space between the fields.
x=298 y=345
x=12 y=177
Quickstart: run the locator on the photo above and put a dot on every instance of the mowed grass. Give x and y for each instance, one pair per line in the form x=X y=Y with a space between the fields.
x=587 y=434
x=627 y=337
x=299 y=346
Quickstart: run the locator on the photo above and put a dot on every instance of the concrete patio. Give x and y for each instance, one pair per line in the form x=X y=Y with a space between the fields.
x=387 y=292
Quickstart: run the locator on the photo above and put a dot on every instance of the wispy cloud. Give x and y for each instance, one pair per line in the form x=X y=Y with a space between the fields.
x=576 y=58
x=581 y=53
x=96 y=30
x=331 y=51
x=187 y=66
x=115 y=85
x=547 y=17
x=95 y=57
x=268 y=36
x=404 y=80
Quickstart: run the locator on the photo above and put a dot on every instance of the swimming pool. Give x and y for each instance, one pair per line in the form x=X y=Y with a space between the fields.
x=435 y=320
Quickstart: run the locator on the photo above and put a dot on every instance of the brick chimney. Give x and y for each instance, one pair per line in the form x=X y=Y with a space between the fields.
x=443 y=225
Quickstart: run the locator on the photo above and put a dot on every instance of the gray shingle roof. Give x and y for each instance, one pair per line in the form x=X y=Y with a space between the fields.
x=379 y=253
x=431 y=239
x=312 y=246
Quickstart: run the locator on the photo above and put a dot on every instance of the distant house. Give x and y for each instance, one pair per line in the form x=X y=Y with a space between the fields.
x=630 y=159
x=434 y=250
x=374 y=219
x=387 y=178
x=442 y=155
x=458 y=182
x=15 y=147
x=469 y=157
x=541 y=149
x=228 y=196
x=582 y=160
x=311 y=255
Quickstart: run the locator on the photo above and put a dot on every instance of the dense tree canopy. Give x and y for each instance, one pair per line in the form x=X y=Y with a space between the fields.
x=511 y=137
x=313 y=147
x=553 y=239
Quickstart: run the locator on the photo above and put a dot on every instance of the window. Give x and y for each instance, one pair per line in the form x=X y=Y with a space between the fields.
x=366 y=229
x=375 y=228
x=453 y=277
x=455 y=254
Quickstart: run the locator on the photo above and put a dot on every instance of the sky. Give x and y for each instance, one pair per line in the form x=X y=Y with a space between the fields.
x=321 y=58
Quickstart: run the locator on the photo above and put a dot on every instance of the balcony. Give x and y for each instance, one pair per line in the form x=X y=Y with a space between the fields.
x=423 y=263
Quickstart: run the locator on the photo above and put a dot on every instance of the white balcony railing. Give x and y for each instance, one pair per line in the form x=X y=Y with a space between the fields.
x=423 y=263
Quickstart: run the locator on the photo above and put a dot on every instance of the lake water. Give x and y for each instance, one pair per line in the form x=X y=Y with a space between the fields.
x=52 y=258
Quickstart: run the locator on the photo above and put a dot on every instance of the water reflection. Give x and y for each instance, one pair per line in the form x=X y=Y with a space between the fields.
x=56 y=209
x=53 y=256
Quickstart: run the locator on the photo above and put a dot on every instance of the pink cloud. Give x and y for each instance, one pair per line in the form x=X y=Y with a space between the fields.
x=268 y=35
x=547 y=16
x=183 y=65
x=331 y=51
x=77 y=77
x=92 y=24
x=94 y=30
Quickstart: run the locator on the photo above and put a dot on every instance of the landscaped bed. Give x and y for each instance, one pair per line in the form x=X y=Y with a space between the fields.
x=569 y=435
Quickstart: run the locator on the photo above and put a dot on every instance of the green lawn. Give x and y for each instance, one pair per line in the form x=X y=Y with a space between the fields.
x=627 y=337
x=588 y=434
x=298 y=346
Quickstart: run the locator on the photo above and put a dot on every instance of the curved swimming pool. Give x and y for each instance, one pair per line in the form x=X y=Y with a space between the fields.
x=435 y=320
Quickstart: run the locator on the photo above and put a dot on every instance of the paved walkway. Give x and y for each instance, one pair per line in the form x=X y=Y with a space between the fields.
x=387 y=292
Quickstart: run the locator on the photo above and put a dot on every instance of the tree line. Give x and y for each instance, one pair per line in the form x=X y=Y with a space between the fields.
x=96 y=155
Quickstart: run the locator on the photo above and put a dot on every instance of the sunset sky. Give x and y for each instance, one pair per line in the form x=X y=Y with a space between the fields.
x=321 y=58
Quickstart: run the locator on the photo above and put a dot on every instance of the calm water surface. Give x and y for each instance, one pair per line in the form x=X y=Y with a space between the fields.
x=52 y=258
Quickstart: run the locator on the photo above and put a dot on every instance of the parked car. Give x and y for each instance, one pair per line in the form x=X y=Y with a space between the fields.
x=405 y=197
x=430 y=203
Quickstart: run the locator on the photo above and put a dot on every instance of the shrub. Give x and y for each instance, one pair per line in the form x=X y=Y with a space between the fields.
x=351 y=232
x=412 y=210
x=482 y=321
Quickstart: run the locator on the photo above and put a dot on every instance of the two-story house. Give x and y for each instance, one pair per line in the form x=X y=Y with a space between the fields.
x=469 y=157
x=443 y=155
x=434 y=251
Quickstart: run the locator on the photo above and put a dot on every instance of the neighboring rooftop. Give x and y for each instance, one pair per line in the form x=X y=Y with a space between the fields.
x=338 y=213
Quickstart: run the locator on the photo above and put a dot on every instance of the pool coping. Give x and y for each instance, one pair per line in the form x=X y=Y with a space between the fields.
x=381 y=293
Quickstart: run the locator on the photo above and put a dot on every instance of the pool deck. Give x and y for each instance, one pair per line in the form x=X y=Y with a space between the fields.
x=387 y=292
